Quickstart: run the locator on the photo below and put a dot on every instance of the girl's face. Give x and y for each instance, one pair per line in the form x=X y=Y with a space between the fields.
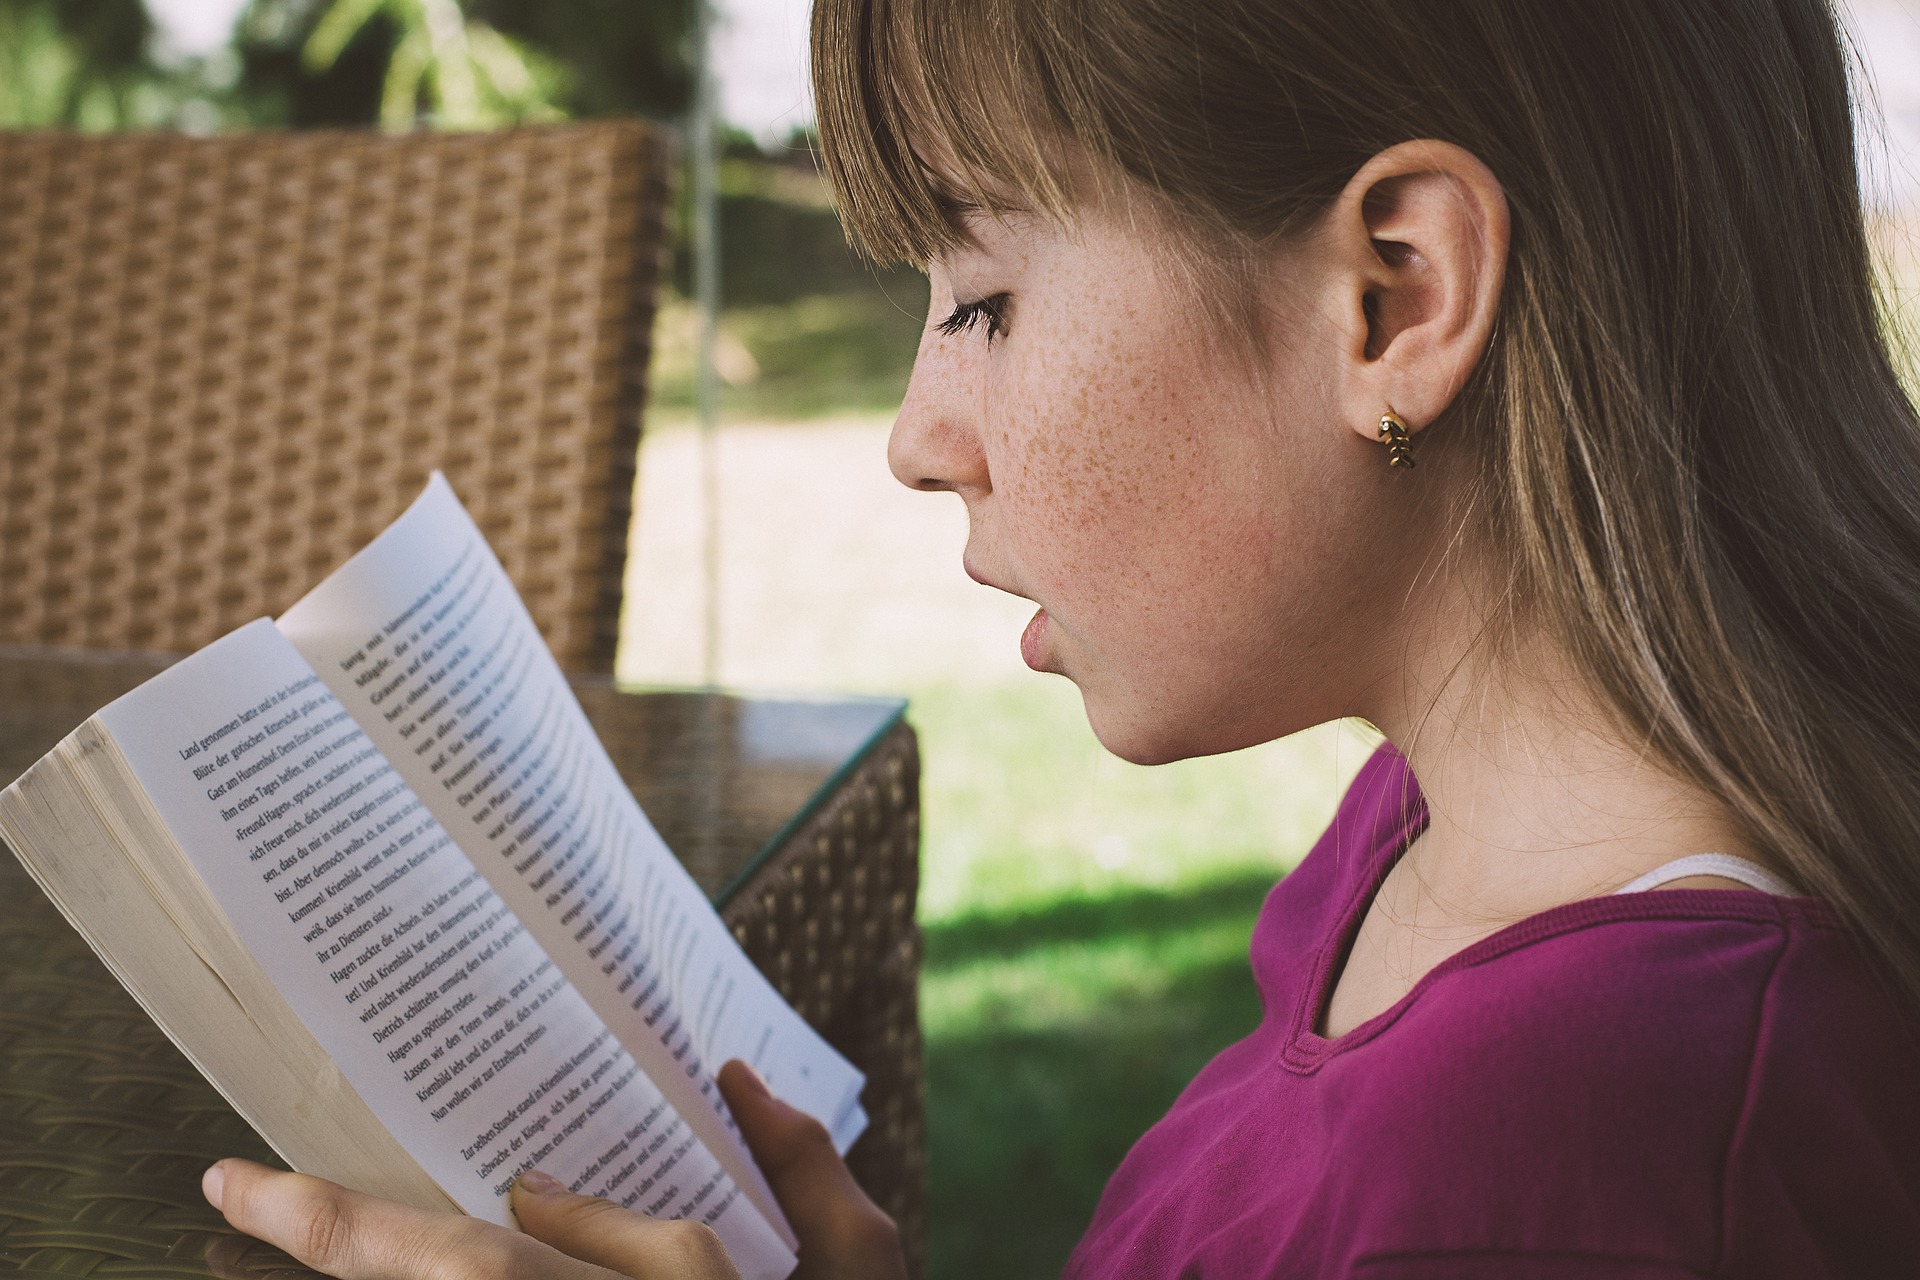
x=1205 y=535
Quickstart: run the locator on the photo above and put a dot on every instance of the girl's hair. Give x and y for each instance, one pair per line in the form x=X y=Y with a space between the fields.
x=1693 y=446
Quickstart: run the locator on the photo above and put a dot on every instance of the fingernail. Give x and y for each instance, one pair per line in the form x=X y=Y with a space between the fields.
x=754 y=1078
x=212 y=1183
x=542 y=1184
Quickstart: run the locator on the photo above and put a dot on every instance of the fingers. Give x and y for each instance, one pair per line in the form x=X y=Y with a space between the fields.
x=843 y=1234
x=630 y=1243
x=359 y=1237
x=567 y=1237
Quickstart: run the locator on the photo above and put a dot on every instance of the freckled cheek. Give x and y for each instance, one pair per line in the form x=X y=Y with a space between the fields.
x=1109 y=484
x=1061 y=500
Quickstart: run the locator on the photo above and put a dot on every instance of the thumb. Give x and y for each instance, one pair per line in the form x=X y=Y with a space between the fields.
x=601 y=1232
x=842 y=1232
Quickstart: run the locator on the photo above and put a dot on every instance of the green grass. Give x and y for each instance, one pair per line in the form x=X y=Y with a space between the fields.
x=1055 y=1037
x=1024 y=808
x=1087 y=925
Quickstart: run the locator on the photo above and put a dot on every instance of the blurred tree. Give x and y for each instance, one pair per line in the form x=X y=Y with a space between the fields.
x=75 y=63
x=488 y=62
x=626 y=57
x=450 y=70
x=277 y=88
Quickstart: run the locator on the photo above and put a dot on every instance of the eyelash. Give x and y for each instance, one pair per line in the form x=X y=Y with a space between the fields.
x=992 y=309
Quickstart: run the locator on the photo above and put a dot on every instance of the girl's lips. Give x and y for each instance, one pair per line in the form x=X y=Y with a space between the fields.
x=1032 y=639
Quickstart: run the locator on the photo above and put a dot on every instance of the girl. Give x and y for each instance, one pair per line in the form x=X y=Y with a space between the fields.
x=1508 y=374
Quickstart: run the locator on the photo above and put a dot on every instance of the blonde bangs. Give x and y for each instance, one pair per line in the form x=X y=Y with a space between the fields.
x=929 y=108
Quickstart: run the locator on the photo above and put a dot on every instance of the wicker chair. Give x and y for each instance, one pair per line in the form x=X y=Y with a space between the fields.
x=227 y=363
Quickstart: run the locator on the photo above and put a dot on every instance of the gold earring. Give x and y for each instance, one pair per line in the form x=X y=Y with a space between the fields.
x=1393 y=431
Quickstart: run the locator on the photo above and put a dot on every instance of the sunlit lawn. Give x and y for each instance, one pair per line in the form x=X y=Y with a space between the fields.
x=1087 y=926
x=1057 y=1033
x=1087 y=920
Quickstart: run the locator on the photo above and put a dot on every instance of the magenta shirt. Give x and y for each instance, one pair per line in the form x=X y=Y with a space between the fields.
x=1684 y=1082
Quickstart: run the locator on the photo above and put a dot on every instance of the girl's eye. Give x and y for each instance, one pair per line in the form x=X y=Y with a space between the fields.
x=993 y=310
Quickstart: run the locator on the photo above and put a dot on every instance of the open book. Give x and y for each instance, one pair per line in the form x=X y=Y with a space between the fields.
x=372 y=871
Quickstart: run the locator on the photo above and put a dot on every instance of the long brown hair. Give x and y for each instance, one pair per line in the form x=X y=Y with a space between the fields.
x=1694 y=446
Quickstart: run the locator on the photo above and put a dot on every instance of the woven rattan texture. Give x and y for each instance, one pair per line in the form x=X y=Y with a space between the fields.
x=226 y=363
x=105 y=1127
x=830 y=920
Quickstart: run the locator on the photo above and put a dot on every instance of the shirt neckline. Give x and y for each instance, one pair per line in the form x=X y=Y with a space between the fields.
x=1306 y=1049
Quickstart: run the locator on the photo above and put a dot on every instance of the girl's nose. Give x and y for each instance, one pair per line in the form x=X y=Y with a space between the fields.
x=936 y=442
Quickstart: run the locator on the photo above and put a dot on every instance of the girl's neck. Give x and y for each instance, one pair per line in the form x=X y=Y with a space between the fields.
x=1537 y=794
x=1536 y=799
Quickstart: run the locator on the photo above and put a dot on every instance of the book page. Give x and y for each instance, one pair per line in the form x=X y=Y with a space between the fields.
x=425 y=640
x=87 y=831
x=440 y=1007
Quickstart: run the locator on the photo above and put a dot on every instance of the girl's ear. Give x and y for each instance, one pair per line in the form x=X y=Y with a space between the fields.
x=1423 y=230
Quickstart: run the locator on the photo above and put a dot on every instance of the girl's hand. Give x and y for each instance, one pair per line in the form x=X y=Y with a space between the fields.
x=569 y=1237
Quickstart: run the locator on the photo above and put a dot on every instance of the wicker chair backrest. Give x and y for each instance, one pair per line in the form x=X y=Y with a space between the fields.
x=226 y=363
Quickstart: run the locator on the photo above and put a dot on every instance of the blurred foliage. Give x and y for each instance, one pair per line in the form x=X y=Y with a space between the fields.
x=623 y=57
x=280 y=89
x=308 y=63
x=444 y=68
x=808 y=327
x=826 y=353
x=75 y=64
x=785 y=239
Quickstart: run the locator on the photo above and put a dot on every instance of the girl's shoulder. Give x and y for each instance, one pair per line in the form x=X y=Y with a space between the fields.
x=1714 y=1077
x=1680 y=1083
x=1718 y=1078
x=1746 y=990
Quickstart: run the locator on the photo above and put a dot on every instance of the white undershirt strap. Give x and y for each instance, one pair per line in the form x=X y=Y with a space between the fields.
x=1724 y=865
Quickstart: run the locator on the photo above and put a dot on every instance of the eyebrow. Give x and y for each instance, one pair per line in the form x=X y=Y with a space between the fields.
x=967 y=214
x=963 y=215
x=959 y=208
x=971 y=217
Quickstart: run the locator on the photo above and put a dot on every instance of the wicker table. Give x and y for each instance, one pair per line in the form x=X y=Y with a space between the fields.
x=799 y=818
